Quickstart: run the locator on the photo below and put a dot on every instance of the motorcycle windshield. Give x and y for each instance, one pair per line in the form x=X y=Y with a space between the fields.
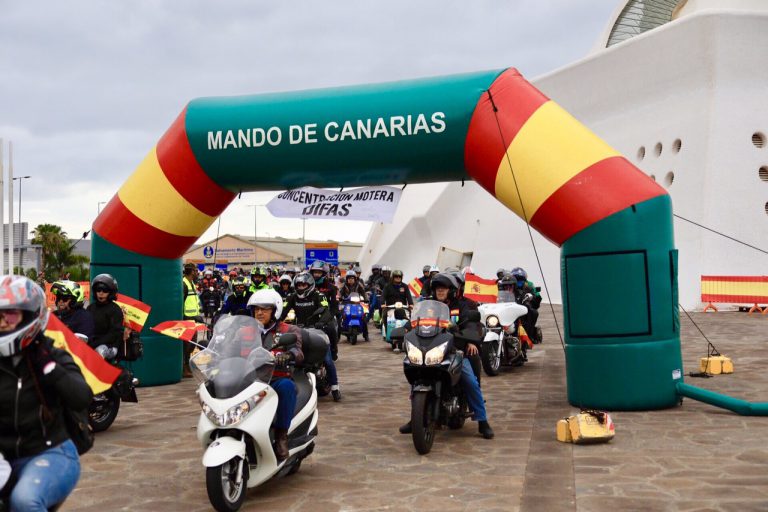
x=234 y=358
x=354 y=298
x=429 y=317
x=505 y=296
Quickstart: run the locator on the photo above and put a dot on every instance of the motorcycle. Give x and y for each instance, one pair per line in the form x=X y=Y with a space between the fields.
x=396 y=325
x=432 y=366
x=238 y=408
x=352 y=318
x=322 y=385
x=501 y=344
x=104 y=408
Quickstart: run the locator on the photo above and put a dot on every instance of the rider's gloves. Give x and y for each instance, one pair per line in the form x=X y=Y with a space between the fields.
x=283 y=358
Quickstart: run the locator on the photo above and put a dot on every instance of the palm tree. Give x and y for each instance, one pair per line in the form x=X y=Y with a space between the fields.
x=57 y=252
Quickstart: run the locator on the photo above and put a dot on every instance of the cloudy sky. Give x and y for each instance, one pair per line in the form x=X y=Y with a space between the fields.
x=88 y=87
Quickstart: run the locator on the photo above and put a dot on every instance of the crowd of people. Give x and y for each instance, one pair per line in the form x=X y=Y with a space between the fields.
x=39 y=464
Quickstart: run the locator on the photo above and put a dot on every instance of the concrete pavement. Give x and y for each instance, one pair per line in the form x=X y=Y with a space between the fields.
x=693 y=457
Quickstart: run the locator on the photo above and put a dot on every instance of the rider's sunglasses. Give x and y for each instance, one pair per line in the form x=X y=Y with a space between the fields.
x=102 y=289
x=11 y=316
x=63 y=298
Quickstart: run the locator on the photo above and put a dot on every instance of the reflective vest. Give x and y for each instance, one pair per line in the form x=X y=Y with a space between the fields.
x=191 y=301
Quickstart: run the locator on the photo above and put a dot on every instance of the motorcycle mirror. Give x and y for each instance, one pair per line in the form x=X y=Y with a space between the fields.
x=82 y=337
x=286 y=340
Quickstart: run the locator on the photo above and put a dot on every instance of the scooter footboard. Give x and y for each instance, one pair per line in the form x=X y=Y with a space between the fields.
x=222 y=450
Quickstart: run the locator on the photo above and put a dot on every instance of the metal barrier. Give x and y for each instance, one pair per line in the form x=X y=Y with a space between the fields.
x=735 y=290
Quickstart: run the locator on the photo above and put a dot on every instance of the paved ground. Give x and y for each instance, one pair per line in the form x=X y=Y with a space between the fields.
x=694 y=457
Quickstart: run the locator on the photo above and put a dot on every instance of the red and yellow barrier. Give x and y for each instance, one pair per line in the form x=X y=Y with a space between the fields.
x=735 y=290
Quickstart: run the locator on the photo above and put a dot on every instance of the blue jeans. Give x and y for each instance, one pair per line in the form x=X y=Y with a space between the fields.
x=45 y=479
x=330 y=369
x=472 y=390
x=286 y=401
x=375 y=304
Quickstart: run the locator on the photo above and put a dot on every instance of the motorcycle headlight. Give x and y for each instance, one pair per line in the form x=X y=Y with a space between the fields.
x=436 y=355
x=234 y=414
x=492 y=321
x=414 y=353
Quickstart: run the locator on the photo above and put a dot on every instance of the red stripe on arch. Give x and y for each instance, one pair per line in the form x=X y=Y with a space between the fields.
x=118 y=225
x=185 y=174
x=515 y=100
x=595 y=193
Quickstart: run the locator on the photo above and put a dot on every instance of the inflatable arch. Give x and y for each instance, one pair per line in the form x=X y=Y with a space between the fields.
x=614 y=224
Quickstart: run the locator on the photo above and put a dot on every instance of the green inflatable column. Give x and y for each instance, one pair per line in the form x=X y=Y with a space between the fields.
x=620 y=304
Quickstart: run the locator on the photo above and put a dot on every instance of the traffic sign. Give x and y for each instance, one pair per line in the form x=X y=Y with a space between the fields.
x=330 y=256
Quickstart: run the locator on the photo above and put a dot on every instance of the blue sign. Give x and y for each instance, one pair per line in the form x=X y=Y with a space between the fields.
x=330 y=256
x=208 y=251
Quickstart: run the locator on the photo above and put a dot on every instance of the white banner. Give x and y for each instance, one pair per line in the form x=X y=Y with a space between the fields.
x=368 y=203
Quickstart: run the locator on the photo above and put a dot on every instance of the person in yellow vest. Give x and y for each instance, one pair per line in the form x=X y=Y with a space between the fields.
x=192 y=309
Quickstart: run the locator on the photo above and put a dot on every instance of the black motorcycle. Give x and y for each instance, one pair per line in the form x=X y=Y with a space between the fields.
x=105 y=406
x=432 y=366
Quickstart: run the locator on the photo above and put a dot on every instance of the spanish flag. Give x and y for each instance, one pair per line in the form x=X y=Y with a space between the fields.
x=479 y=289
x=415 y=287
x=135 y=312
x=98 y=373
x=524 y=336
x=180 y=329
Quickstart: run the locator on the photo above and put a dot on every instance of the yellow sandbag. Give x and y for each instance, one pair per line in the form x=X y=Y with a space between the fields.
x=591 y=427
x=716 y=365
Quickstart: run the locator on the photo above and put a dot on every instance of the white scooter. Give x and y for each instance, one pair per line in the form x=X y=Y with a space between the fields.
x=501 y=345
x=239 y=406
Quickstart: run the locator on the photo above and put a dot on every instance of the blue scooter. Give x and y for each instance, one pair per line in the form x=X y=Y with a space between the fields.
x=352 y=318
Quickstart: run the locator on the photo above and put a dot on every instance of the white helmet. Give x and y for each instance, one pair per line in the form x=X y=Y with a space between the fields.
x=18 y=293
x=267 y=298
x=434 y=268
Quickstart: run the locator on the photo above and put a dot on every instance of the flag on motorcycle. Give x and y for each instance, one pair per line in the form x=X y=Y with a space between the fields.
x=415 y=287
x=180 y=329
x=479 y=289
x=99 y=374
x=524 y=338
x=135 y=312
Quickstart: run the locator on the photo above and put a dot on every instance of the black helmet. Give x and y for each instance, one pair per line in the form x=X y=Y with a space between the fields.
x=105 y=282
x=304 y=279
x=69 y=290
x=507 y=282
x=377 y=266
x=445 y=281
x=500 y=273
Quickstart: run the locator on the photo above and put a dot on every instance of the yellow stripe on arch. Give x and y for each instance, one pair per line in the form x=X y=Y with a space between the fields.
x=551 y=148
x=150 y=196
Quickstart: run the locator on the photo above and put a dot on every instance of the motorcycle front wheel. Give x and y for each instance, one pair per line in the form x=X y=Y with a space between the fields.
x=489 y=357
x=423 y=425
x=225 y=493
x=103 y=411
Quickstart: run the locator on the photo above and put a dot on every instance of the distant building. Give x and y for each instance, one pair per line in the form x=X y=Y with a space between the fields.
x=25 y=254
x=229 y=251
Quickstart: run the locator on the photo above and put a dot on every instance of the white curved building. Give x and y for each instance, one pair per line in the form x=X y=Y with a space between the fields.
x=680 y=88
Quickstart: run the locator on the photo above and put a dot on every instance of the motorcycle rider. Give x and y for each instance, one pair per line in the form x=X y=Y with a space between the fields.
x=37 y=381
x=70 y=300
x=286 y=286
x=324 y=285
x=424 y=275
x=267 y=306
x=352 y=285
x=108 y=327
x=397 y=291
x=444 y=288
x=426 y=290
x=474 y=360
x=526 y=294
x=237 y=303
x=258 y=279
x=305 y=302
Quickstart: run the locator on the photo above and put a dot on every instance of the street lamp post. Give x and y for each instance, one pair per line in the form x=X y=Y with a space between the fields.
x=21 y=234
